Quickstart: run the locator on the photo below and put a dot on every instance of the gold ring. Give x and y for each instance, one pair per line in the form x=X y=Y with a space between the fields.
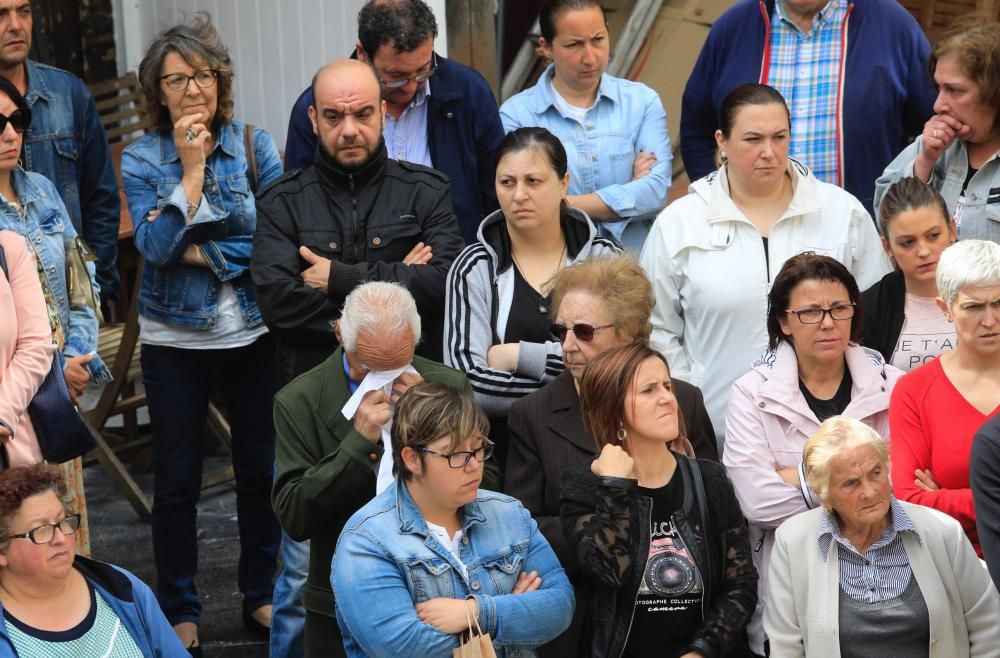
x=935 y=133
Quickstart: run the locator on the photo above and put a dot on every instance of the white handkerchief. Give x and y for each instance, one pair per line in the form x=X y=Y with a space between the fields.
x=373 y=381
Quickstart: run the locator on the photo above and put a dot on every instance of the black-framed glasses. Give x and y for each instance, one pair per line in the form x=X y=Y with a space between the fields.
x=816 y=315
x=20 y=119
x=43 y=534
x=583 y=331
x=179 y=81
x=460 y=458
x=397 y=84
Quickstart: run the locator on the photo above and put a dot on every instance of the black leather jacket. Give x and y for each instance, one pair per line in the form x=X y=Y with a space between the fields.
x=366 y=221
x=608 y=523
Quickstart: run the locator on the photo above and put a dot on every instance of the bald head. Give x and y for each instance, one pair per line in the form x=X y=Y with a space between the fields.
x=347 y=112
x=346 y=72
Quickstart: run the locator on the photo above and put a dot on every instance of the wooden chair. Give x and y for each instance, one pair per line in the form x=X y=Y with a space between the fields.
x=119 y=102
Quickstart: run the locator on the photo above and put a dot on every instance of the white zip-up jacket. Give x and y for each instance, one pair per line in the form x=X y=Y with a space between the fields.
x=711 y=275
x=768 y=424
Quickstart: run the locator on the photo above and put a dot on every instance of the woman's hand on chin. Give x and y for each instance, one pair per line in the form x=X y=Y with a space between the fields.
x=449 y=616
x=613 y=462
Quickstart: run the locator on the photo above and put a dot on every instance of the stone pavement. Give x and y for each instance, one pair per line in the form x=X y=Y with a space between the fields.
x=119 y=537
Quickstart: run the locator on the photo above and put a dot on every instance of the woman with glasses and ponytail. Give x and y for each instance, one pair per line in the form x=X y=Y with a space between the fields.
x=814 y=369
x=190 y=185
x=498 y=293
x=54 y=602
x=435 y=556
x=598 y=305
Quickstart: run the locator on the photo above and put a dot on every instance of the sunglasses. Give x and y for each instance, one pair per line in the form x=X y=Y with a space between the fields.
x=20 y=119
x=581 y=330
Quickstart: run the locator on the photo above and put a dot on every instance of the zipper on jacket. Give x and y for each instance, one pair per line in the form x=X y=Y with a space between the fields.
x=649 y=523
x=760 y=544
x=354 y=218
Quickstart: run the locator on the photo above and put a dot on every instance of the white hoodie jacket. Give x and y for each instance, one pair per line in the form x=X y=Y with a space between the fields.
x=711 y=275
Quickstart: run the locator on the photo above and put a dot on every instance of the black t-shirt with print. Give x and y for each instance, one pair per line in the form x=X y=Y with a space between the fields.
x=668 y=607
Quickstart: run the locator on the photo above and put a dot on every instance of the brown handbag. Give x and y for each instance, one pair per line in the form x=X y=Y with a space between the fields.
x=473 y=643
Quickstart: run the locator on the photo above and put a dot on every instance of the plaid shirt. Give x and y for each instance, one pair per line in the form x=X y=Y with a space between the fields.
x=883 y=572
x=806 y=69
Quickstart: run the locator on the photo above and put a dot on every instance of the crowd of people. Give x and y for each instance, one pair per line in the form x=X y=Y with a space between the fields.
x=487 y=389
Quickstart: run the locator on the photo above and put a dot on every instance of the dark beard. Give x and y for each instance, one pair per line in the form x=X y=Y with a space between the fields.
x=354 y=167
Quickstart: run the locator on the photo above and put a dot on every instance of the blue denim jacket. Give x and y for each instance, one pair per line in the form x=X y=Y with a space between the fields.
x=386 y=562
x=626 y=117
x=187 y=295
x=67 y=144
x=51 y=235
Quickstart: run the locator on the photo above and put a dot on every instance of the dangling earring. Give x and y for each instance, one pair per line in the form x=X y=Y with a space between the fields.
x=622 y=434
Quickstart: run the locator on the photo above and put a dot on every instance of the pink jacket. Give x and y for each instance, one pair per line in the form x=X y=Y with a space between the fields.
x=26 y=347
x=767 y=425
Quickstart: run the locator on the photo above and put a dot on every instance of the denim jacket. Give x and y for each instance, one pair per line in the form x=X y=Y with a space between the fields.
x=51 y=235
x=67 y=144
x=386 y=562
x=223 y=226
x=626 y=117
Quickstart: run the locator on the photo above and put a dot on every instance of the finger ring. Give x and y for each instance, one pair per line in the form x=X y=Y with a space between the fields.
x=190 y=135
x=935 y=133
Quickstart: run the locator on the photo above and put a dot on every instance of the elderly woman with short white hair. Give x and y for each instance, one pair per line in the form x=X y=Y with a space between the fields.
x=936 y=409
x=867 y=574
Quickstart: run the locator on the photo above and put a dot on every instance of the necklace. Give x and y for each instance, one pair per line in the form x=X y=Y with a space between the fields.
x=543 y=304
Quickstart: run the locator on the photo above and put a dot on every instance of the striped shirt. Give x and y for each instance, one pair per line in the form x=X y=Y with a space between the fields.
x=883 y=571
x=406 y=137
x=806 y=67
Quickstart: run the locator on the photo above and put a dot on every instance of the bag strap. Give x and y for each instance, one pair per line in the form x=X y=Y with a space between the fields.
x=251 y=157
x=699 y=492
x=472 y=619
x=3 y=263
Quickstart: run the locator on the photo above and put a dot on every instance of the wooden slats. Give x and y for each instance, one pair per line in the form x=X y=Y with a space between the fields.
x=119 y=102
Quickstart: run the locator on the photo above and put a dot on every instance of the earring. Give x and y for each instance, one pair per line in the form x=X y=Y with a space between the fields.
x=723 y=155
x=622 y=434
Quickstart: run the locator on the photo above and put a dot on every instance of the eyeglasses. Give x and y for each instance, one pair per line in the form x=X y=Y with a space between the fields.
x=19 y=119
x=396 y=84
x=179 y=81
x=581 y=330
x=43 y=534
x=460 y=458
x=816 y=315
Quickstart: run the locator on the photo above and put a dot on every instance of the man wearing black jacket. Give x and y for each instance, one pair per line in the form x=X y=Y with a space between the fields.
x=984 y=477
x=354 y=216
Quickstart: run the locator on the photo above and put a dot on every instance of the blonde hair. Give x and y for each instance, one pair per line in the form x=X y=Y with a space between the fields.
x=835 y=436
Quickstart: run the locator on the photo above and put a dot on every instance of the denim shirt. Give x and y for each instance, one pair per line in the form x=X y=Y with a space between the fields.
x=626 y=117
x=386 y=562
x=51 y=235
x=980 y=218
x=187 y=295
x=67 y=144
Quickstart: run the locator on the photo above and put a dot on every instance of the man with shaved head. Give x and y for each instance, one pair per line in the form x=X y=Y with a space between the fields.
x=438 y=112
x=353 y=216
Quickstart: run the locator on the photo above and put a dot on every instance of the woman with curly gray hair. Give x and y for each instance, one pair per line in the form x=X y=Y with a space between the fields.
x=190 y=186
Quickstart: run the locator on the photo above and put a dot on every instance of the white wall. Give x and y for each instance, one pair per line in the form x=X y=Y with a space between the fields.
x=276 y=45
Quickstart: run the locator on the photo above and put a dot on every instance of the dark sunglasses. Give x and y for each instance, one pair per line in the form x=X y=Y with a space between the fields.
x=581 y=330
x=20 y=119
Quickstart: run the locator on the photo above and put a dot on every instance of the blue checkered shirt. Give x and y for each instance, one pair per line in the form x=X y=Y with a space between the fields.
x=883 y=572
x=806 y=69
x=406 y=137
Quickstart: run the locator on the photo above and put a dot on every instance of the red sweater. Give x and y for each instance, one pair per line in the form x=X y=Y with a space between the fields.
x=932 y=426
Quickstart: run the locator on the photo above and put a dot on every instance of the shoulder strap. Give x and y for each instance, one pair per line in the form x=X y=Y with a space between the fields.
x=251 y=157
x=699 y=491
x=3 y=263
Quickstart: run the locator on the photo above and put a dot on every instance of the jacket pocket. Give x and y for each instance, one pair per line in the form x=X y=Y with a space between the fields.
x=503 y=570
x=391 y=242
x=51 y=222
x=429 y=578
x=328 y=243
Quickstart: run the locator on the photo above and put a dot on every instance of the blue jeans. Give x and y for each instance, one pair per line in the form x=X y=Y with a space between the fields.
x=288 y=616
x=178 y=384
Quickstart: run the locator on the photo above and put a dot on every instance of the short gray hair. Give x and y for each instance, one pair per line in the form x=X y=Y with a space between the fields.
x=378 y=306
x=837 y=435
x=967 y=263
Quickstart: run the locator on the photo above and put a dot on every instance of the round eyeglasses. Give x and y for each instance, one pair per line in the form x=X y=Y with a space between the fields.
x=179 y=81
x=43 y=534
x=816 y=315
x=460 y=458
